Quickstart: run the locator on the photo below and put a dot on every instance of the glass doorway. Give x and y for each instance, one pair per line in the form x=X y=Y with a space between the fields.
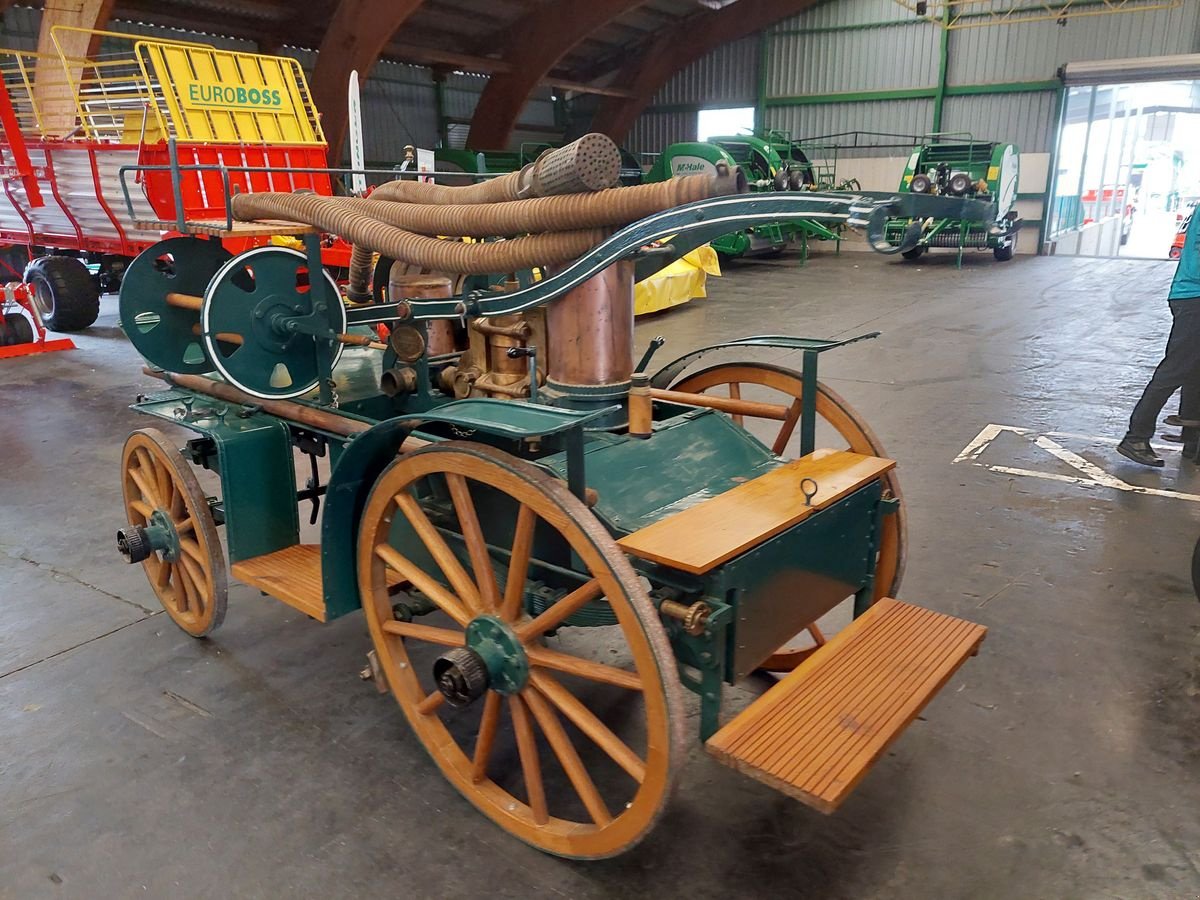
x=1128 y=168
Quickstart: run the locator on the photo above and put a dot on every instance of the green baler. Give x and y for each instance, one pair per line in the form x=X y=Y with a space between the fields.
x=963 y=194
x=769 y=165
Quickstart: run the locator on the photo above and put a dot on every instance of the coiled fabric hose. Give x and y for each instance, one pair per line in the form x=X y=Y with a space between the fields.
x=329 y=215
x=562 y=226
x=608 y=208
x=590 y=163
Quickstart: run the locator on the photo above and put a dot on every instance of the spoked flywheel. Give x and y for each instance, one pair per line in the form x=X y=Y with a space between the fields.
x=784 y=387
x=572 y=754
x=172 y=532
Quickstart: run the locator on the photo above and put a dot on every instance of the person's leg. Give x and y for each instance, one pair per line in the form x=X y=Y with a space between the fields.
x=1180 y=361
x=1189 y=393
x=1168 y=377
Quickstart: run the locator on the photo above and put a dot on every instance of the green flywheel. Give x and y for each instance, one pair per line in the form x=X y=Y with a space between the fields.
x=168 y=336
x=267 y=325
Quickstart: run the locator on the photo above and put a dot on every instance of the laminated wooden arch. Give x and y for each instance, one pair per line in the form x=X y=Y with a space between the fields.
x=354 y=41
x=53 y=95
x=539 y=41
x=652 y=66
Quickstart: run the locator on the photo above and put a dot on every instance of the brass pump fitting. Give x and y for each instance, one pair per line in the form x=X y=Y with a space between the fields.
x=694 y=617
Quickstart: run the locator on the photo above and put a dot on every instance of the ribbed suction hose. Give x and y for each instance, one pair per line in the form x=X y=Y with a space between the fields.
x=444 y=256
x=591 y=163
x=375 y=226
x=609 y=208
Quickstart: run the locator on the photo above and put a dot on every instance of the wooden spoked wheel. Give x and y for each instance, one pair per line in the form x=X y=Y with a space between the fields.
x=501 y=523
x=160 y=491
x=783 y=386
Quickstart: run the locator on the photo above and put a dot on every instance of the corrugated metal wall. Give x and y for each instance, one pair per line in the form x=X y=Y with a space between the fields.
x=870 y=59
x=1026 y=120
x=875 y=45
x=1034 y=51
x=653 y=131
x=895 y=116
x=726 y=77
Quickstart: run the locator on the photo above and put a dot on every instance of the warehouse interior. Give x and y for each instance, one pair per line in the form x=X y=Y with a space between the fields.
x=701 y=464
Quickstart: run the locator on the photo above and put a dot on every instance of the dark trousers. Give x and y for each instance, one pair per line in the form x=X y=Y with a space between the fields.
x=1178 y=371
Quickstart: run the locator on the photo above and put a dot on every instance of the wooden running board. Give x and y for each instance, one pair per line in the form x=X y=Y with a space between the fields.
x=815 y=734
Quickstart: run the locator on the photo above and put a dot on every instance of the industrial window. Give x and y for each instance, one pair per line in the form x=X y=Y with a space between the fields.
x=720 y=122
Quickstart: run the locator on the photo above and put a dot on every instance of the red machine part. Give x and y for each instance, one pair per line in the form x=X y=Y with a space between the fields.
x=22 y=166
x=16 y=295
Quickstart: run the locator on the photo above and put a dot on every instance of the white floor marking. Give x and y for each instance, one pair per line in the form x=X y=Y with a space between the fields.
x=1091 y=474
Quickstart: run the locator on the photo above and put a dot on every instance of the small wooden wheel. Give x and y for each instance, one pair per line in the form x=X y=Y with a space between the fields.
x=162 y=493
x=486 y=528
x=889 y=566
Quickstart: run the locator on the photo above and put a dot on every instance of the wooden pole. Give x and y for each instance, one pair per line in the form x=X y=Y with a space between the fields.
x=736 y=407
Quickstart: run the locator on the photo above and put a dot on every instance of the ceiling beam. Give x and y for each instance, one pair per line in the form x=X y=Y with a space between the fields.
x=353 y=41
x=538 y=42
x=486 y=65
x=652 y=65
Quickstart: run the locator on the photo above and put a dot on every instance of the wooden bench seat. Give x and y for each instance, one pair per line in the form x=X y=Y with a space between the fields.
x=816 y=733
x=703 y=536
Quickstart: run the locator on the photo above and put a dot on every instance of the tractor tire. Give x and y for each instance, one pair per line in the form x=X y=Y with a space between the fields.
x=915 y=253
x=64 y=292
x=17 y=330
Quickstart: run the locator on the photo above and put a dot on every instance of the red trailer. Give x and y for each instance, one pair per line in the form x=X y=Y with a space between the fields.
x=74 y=211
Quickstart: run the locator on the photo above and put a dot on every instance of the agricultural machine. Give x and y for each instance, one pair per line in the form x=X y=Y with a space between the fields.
x=548 y=539
x=955 y=194
x=776 y=164
x=72 y=123
x=491 y=162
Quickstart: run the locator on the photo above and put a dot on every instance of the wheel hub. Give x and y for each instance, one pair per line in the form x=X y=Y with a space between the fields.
x=163 y=536
x=501 y=651
x=461 y=676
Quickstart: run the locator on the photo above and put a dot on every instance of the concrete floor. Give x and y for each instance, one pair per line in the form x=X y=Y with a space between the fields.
x=1061 y=763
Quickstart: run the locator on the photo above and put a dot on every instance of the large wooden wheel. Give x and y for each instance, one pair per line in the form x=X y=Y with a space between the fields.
x=764 y=381
x=161 y=492
x=470 y=527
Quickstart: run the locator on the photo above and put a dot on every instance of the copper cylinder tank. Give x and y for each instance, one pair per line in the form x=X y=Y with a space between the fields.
x=424 y=287
x=590 y=331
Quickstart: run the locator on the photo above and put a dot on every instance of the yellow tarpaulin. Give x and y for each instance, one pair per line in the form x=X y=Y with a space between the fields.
x=681 y=281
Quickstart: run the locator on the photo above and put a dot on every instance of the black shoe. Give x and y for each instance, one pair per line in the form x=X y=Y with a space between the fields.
x=1177 y=422
x=1172 y=438
x=1140 y=452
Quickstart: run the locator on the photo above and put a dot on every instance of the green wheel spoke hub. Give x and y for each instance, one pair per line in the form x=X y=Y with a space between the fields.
x=283 y=324
x=502 y=653
x=163 y=537
x=167 y=335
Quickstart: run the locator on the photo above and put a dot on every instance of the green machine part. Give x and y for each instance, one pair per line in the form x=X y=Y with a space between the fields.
x=769 y=165
x=954 y=171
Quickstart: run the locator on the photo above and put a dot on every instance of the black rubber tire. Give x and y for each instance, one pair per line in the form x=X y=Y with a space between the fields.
x=17 y=330
x=914 y=253
x=1196 y=569
x=65 y=294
